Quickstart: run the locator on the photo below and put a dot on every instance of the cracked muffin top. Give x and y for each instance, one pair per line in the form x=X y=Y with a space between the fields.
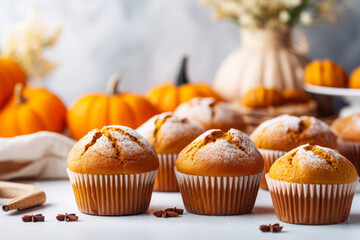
x=348 y=128
x=211 y=114
x=112 y=150
x=170 y=134
x=218 y=153
x=286 y=132
x=311 y=164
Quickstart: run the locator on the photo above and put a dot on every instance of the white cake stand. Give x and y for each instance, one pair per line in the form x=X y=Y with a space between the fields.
x=350 y=96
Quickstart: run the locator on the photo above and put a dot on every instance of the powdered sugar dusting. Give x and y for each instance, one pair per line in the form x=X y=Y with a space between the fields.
x=127 y=144
x=283 y=123
x=205 y=134
x=244 y=140
x=174 y=126
x=311 y=159
x=198 y=108
x=88 y=137
x=222 y=150
x=207 y=111
x=104 y=145
x=286 y=123
x=317 y=126
x=356 y=119
x=147 y=129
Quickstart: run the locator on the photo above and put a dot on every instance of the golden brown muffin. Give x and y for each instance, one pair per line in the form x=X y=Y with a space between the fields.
x=311 y=164
x=112 y=150
x=211 y=114
x=295 y=96
x=262 y=97
x=348 y=128
x=288 y=132
x=170 y=134
x=218 y=153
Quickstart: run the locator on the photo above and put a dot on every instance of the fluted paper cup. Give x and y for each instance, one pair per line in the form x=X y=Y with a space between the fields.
x=165 y=180
x=218 y=195
x=122 y=194
x=314 y=204
x=351 y=150
x=269 y=156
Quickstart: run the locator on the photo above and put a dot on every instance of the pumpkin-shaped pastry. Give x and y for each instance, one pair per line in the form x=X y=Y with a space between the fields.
x=10 y=74
x=166 y=97
x=325 y=73
x=295 y=96
x=112 y=108
x=354 y=81
x=31 y=110
x=262 y=97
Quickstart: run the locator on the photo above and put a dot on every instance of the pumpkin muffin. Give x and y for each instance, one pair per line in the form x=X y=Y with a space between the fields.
x=112 y=171
x=219 y=173
x=169 y=135
x=348 y=130
x=211 y=114
x=312 y=185
x=279 y=135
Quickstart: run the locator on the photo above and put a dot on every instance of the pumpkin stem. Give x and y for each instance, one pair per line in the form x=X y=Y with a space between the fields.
x=18 y=93
x=182 y=76
x=113 y=83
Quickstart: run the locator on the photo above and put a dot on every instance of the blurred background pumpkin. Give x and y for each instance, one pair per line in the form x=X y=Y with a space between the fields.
x=111 y=108
x=31 y=110
x=354 y=81
x=10 y=74
x=166 y=97
x=325 y=73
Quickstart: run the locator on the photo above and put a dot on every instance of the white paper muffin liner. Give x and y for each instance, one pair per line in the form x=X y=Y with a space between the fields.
x=269 y=156
x=122 y=194
x=218 y=195
x=311 y=203
x=350 y=150
x=165 y=180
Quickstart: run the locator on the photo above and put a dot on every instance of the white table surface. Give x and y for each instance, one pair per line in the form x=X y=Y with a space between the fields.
x=145 y=226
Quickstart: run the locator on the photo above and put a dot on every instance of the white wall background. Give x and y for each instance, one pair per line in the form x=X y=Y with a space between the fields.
x=143 y=40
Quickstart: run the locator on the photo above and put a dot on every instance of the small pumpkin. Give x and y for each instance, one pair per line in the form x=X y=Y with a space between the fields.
x=31 y=110
x=325 y=73
x=262 y=97
x=354 y=81
x=10 y=74
x=99 y=109
x=166 y=97
x=295 y=96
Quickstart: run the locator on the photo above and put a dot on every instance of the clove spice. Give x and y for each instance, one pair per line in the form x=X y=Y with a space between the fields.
x=33 y=218
x=169 y=212
x=67 y=217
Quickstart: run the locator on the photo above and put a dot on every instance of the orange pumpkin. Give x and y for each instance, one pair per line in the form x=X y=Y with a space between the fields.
x=166 y=97
x=98 y=109
x=325 y=73
x=354 y=81
x=31 y=110
x=10 y=74
x=295 y=96
x=262 y=97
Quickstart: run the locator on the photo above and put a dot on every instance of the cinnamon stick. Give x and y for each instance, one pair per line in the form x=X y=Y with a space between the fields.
x=23 y=196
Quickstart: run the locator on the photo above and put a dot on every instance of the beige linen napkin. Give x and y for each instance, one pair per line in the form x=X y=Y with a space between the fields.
x=38 y=155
